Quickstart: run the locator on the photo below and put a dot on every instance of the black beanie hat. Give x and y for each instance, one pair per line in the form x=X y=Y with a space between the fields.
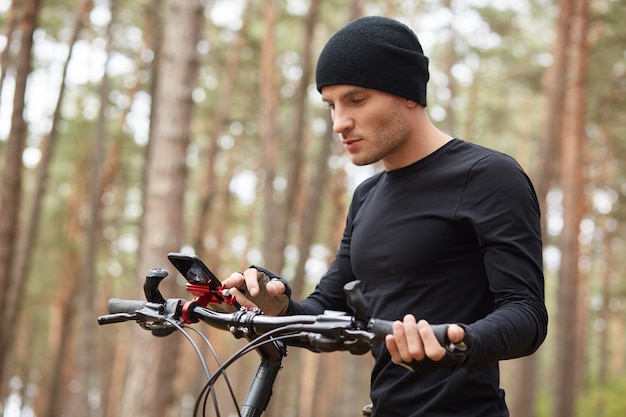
x=378 y=53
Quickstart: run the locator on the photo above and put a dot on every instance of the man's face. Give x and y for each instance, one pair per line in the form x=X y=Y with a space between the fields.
x=372 y=124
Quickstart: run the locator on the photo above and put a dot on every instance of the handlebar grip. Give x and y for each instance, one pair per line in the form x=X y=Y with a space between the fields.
x=117 y=305
x=381 y=328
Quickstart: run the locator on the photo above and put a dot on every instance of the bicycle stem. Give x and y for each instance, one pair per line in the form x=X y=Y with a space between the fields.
x=260 y=391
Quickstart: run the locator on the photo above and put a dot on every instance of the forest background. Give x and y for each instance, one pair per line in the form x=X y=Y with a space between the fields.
x=130 y=129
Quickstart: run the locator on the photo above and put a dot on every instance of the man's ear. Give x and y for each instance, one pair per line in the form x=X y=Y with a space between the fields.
x=410 y=103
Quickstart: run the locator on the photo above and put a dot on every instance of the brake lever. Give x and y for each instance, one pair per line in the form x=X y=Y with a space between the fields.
x=159 y=327
x=162 y=315
x=116 y=318
x=318 y=343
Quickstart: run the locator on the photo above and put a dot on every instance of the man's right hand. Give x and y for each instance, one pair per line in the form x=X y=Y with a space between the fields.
x=254 y=289
x=414 y=341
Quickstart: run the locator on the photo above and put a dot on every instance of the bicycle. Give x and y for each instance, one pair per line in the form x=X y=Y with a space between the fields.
x=268 y=335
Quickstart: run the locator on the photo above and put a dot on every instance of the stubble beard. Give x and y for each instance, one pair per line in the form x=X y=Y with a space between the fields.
x=389 y=138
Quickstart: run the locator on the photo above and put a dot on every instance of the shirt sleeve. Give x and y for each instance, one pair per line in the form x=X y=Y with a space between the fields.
x=500 y=204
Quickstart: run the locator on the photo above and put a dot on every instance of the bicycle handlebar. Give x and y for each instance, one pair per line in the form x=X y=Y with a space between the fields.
x=325 y=332
x=331 y=331
x=117 y=305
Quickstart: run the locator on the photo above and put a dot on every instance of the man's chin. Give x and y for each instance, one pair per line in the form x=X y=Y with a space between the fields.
x=362 y=161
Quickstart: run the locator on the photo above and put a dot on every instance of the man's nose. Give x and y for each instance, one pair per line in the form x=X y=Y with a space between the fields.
x=342 y=121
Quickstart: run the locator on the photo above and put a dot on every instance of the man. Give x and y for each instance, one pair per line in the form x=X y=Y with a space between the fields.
x=448 y=233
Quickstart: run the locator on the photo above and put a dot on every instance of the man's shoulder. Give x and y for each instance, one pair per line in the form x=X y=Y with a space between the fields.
x=476 y=149
x=364 y=188
x=472 y=154
x=369 y=183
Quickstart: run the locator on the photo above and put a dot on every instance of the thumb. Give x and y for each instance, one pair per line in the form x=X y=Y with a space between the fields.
x=275 y=287
x=456 y=333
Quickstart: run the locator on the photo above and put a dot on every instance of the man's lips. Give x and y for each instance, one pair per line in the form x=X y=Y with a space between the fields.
x=351 y=143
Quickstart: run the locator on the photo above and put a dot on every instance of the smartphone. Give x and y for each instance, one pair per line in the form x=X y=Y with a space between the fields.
x=196 y=272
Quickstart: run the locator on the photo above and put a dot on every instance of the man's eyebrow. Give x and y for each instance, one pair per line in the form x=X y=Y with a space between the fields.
x=351 y=92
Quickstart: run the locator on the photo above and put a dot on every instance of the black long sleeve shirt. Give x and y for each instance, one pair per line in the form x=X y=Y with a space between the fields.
x=452 y=238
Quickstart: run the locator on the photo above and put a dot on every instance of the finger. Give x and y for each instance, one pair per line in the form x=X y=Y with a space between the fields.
x=392 y=346
x=252 y=281
x=456 y=333
x=402 y=341
x=275 y=287
x=242 y=299
x=234 y=280
x=414 y=342
x=432 y=348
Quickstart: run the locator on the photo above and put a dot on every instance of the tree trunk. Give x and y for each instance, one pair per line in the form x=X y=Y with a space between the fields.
x=307 y=378
x=148 y=390
x=606 y=334
x=55 y=399
x=449 y=61
x=11 y=187
x=87 y=334
x=554 y=85
x=26 y=239
x=611 y=335
x=473 y=96
x=10 y=23
x=522 y=399
x=328 y=377
x=568 y=329
x=544 y=173
x=208 y=187
x=269 y=138
x=310 y=214
x=296 y=143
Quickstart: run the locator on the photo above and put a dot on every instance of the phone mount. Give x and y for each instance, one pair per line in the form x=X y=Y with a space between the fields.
x=202 y=283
